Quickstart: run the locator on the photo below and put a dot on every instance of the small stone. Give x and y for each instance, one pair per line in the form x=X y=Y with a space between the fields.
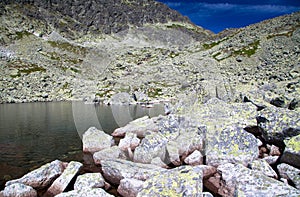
x=274 y=151
x=196 y=158
x=263 y=167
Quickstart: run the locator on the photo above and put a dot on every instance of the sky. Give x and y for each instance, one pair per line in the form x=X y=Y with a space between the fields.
x=217 y=15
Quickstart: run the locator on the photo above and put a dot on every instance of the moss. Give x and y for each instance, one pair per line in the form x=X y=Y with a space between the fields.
x=35 y=68
x=75 y=70
x=294 y=143
x=65 y=86
x=68 y=47
x=22 y=34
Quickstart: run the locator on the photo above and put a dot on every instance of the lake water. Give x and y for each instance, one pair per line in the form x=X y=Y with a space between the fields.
x=33 y=134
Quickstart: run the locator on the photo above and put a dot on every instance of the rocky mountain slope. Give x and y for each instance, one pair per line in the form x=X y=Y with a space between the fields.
x=67 y=50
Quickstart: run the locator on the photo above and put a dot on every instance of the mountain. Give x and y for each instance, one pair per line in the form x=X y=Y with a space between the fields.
x=74 y=50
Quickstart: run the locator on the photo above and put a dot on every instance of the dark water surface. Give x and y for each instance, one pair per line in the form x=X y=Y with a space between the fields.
x=33 y=134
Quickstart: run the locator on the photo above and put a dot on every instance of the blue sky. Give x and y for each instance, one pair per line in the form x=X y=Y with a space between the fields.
x=217 y=15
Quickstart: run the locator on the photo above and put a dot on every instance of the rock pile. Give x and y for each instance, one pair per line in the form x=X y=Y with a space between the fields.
x=217 y=147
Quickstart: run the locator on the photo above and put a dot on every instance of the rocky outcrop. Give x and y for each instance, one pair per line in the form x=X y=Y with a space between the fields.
x=95 y=140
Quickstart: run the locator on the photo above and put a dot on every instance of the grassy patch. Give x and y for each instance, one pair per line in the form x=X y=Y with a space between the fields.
x=22 y=34
x=154 y=92
x=68 y=47
x=249 y=50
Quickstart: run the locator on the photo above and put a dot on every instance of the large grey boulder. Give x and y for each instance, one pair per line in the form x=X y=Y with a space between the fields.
x=113 y=152
x=278 y=124
x=139 y=126
x=61 y=183
x=94 y=140
x=291 y=154
x=89 y=180
x=18 y=190
x=114 y=170
x=90 y=192
x=191 y=138
x=263 y=167
x=225 y=137
x=181 y=181
x=290 y=173
x=237 y=180
x=232 y=145
x=130 y=187
x=153 y=145
x=42 y=177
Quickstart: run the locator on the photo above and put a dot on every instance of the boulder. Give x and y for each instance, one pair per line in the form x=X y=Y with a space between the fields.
x=232 y=145
x=61 y=183
x=263 y=167
x=153 y=145
x=130 y=187
x=95 y=140
x=291 y=154
x=130 y=141
x=196 y=158
x=191 y=137
x=42 y=177
x=113 y=152
x=290 y=173
x=237 y=180
x=182 y=181
x=89 y=180
x=139 y=126
x=18 y=190
x=114 y=170
x=90 y=192
x=278 y=124
x=122 y=98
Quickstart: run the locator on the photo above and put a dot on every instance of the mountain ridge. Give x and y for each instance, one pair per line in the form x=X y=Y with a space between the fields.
x=169 y=59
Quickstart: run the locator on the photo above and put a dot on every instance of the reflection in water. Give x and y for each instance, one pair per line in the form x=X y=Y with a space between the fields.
x=32 y=134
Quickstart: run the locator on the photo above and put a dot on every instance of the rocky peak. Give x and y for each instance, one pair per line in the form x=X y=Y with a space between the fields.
x=96 y=16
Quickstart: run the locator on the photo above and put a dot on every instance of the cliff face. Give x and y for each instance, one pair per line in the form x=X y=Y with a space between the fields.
x=75 y=18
